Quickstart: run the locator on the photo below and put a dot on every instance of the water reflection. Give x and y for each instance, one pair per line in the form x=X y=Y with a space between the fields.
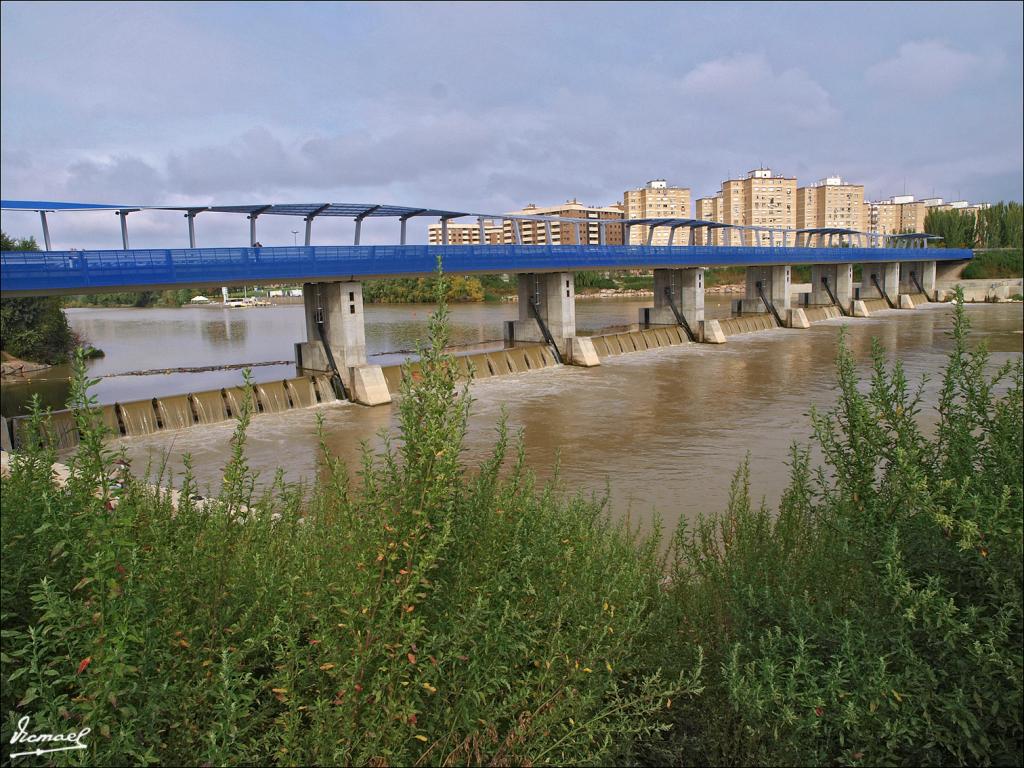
x=225 y=332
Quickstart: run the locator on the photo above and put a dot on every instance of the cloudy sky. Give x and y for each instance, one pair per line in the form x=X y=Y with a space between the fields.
x=487 y=107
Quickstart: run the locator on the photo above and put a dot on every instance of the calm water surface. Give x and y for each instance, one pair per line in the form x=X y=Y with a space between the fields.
x=663 y=430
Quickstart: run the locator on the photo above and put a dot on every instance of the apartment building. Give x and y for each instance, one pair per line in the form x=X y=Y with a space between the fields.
x=656 y=200
x=762 y=199
x=710 y=209
x=831 y=203
x=535 y=232
x=885 y=217
x=912 y=215
x=466 y=233
x=900 y=213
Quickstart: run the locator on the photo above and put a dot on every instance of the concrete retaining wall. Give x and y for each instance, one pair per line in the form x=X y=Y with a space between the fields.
x=981 y=290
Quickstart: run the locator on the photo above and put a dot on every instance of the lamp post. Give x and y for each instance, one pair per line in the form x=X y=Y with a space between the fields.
x=295 y=237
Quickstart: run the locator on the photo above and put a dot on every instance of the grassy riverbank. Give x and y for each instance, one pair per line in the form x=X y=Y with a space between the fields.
x=995 y=265
x=436 y=613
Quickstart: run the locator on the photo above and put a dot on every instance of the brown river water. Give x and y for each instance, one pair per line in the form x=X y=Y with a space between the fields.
x=662 y=430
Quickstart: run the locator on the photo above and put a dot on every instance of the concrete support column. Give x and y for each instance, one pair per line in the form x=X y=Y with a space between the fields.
x=338 y=307
x=840 y=282
x=924 y=271
x=888 y=274
x=687 y=290
x=776 y=282
x=554 y=295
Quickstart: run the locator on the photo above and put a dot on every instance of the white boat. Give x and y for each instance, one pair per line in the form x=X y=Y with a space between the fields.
x=247 y=302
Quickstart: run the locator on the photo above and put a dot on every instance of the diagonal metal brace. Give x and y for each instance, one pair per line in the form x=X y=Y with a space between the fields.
x=828 y=290
x=544 y=330
x=881 y=290
x=680 y=317
x=913 y=276
x=768 y=305
x=336 y=382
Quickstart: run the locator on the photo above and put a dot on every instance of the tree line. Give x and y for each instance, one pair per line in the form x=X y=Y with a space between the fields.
x=999 y=226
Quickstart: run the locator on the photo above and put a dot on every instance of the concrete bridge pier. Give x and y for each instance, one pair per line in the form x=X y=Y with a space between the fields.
x=686 y=289
x=887 y=273
x=913 y=273
x=549 y=299
x=776 y=283
x=840 y=282
x=337 y=309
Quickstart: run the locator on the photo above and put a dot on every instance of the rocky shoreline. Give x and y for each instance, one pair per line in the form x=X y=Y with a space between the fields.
x=13 y=368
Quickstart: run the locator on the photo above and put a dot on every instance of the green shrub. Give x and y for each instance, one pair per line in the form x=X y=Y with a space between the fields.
x=584 y=280
x=33 y=328
x=877 y=617
x=992 y=265
x=404 y=290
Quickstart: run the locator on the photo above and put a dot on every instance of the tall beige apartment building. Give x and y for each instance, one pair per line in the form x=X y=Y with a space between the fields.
x=656 y=200
x=831 y=203
x=762 y=199
x=464 y=233
x=564 y=233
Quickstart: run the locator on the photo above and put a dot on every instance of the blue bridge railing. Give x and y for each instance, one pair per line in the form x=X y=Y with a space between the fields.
x=68 y=272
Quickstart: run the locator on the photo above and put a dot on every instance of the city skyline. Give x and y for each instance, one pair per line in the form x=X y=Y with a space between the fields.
x=446 y=105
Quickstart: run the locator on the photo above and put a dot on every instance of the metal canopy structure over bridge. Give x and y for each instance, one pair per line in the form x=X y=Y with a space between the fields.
x=358 y=212
x=85 y=271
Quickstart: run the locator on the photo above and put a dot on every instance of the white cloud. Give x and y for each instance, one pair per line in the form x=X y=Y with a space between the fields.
x=929 y=68
x=748 y=84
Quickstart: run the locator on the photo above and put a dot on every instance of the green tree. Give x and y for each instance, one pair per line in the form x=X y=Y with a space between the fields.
x=1000 y=226
x=34 y=328
x=957 y=228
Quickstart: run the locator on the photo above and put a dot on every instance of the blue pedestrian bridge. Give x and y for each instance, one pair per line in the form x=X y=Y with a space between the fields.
x=37 y=273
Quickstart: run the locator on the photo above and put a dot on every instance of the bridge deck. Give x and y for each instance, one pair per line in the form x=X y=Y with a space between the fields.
x=35 y=273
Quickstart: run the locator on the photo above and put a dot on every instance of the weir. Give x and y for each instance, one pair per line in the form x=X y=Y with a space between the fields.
x=300 y=392
x=485 y=365
x=209 y=407
x=273 y=396
x=175 y=412
x=235 y=397
x=146 y=417
x=138 y=418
